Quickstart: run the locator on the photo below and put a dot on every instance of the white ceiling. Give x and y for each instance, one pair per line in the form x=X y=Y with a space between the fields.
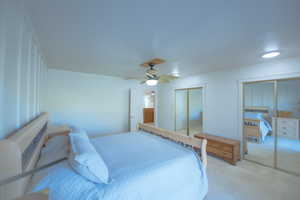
x=112 y=37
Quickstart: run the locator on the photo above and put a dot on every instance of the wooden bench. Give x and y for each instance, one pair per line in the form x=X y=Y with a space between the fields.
x=224 y=148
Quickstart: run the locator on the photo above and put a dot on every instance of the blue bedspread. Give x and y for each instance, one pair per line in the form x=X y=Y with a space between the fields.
x=142 y=167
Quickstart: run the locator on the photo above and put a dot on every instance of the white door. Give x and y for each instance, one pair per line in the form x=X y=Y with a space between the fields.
x=136 y=108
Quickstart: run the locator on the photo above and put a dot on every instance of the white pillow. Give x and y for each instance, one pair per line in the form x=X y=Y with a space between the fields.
x=86 y=161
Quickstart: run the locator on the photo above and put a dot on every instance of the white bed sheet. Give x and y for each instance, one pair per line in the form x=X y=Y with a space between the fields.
x=142 y=166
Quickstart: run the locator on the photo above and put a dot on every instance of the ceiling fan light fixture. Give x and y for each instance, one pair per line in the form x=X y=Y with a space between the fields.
x=152 y=82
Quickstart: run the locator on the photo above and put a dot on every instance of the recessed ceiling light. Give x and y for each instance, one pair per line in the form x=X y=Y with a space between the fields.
x=271 y=54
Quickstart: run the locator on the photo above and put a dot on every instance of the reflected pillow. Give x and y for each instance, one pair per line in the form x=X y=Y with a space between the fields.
x=85 y=160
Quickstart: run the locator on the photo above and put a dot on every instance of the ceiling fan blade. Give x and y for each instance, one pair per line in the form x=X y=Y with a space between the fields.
x=135 y=78
x=155 y=61
x=169 y=77
x=142 y=82
x=163 y=80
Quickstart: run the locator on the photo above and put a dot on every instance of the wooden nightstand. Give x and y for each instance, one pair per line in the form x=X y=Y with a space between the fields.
x=224 y=148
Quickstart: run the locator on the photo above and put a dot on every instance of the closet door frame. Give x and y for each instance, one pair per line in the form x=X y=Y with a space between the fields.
x=203 y=87
x=241 y=105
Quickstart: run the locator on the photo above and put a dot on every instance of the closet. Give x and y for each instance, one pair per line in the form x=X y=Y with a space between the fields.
x=189 y=111
x=271 y=119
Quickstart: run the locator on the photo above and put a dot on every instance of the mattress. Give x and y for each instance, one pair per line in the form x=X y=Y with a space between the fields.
x=142 y=167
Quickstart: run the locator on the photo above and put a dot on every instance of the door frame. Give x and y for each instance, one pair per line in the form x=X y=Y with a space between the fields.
x=201 y=86
x=275 y=78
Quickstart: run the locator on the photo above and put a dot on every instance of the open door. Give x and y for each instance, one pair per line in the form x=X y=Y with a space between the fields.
x=149 y=107
x=136 y=108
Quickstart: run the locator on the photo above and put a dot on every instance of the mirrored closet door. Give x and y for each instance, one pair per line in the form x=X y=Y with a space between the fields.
x=181 y=111
x=258 y=109
x=271 y=122
x=189 y=111
x=288 y=117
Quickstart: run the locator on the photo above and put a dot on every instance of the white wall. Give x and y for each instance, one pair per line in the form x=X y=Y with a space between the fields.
x=222 y=95
x=19 y=100
x=99 y=104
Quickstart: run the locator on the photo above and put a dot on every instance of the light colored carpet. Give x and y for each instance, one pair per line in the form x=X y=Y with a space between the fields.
x=288 y=153
x=249 y=181
x=193 y=130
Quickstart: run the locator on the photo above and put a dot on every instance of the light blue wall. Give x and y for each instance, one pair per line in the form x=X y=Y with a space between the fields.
x=19 y=98
x=99 y=104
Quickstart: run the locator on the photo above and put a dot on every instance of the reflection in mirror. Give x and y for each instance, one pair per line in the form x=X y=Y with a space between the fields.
x=288 y=140
x=181 y=111
x=189 y=111
x=195 y=111
x=258 y=135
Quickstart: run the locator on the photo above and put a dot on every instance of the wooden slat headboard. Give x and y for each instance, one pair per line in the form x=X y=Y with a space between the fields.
x=19 y=153
x=261 y=109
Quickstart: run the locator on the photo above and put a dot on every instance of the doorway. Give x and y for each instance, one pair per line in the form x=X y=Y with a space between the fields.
x=271 y=118
x=149 y=107
x=189 y=111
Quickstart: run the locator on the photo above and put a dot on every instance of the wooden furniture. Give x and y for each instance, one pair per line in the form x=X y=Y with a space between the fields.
x=226 y=149
x=148 y=115
x=285 y=114
x=53 y=131
x=179 y=138
x=155 y=61
x=287 y=127
x=19 y=153
x=252 y=129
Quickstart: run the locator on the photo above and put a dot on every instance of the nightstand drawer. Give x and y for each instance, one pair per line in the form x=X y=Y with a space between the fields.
x=292 y=134
x=291 y=130
x=287 y=123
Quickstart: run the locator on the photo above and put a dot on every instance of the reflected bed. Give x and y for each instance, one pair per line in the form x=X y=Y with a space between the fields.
x=256 y=124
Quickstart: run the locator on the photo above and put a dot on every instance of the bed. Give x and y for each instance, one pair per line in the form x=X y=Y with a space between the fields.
x=151 y=163
x=256 y=124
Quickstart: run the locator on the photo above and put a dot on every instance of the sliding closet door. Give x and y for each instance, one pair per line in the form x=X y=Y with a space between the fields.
x=195 y=110
x=259 y=137
x=288 y=135
x=181 y=111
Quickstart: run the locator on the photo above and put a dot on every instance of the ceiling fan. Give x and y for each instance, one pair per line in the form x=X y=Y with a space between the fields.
x=152 y=76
